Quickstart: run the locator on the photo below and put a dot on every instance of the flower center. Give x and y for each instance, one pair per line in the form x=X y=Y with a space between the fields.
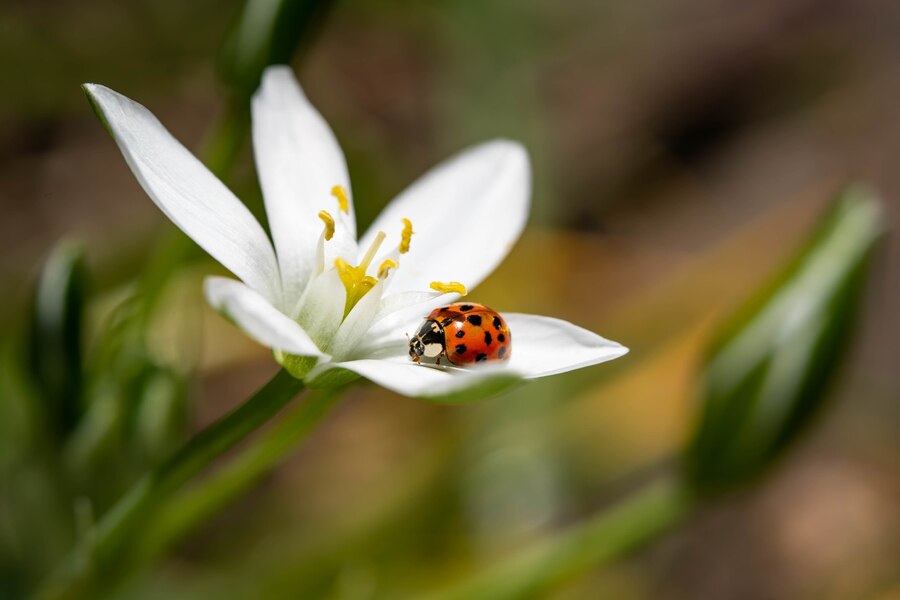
x=355 y=280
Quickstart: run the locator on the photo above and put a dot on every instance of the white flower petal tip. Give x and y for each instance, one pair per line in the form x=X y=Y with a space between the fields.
x=543 y=346
x=187 y=192
x=300 y=164
x=256 y=317
x=440 y=385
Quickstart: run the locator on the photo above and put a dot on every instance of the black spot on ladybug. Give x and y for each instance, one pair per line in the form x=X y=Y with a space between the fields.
x=481 y=358
x=461 y=348
x=502 y=352
x=501 y=338
x=487 y=338
x=498 y=324
x=446 y=321
x=466 y=307
x=474 y=319
x=460 y=334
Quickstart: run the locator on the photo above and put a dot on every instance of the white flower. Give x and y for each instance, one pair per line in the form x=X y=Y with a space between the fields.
x=329 y=305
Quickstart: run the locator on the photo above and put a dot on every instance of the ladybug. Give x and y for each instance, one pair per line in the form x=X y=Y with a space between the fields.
x=462 y=333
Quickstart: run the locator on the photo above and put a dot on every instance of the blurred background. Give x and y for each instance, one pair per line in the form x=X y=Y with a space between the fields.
x=682 y=153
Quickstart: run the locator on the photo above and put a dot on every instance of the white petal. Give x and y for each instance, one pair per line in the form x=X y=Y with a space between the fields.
x=399 y=316
x=357 y=322
x=185 y=190
x=466 y=213
x=546 y=346
x=383 y=341
x=412 y=301
x=257 y=317
x=322 y=307
x=401 y=375
x=299 y=161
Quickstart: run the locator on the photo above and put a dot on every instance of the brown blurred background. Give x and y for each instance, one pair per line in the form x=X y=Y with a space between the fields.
x=681 y=152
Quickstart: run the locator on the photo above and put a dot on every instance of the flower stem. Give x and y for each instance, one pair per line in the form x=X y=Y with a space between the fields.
x=105 y=546
x=204 y=499
x=635 y=521
x=227 y=138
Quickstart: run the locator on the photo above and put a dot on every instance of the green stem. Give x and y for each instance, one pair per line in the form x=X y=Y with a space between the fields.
x=227 y=138
x=204 y=499
x=112 y=533
x=609 y=535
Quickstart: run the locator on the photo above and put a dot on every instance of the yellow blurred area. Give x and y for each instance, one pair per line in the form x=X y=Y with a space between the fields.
x=645 y=411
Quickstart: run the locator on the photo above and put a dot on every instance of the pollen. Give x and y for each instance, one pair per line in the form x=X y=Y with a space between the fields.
x=329 y=224
x=340 y=192
x=386 y=267
x=448 y=288
x=406 y=236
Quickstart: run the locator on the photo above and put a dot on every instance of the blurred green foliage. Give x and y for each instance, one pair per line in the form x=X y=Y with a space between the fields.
x=267 y=32
x=80 y=421
x=55 y=339
x=767 y=374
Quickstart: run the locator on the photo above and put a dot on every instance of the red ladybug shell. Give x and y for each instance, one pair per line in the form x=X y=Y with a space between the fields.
x=472 y=333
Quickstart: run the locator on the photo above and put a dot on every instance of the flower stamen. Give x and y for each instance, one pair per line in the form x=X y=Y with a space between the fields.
x=327 y=234
x=450 y=287
x=370 y=253
x=386 y=267
x=340 y=192
x=406 y=236
x=329 y=224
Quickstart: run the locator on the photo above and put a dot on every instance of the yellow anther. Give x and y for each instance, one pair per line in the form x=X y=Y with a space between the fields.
x=447 y=288
x=340 y=192
x=406 y=236
x=329 y=223
x=385 y=268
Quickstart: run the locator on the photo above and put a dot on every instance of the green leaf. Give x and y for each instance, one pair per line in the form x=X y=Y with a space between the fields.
x=161 y=413
x=267 y=32
x=54 y=344
x=768 y=373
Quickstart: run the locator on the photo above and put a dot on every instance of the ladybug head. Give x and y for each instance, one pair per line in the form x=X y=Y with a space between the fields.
x=416 y=348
